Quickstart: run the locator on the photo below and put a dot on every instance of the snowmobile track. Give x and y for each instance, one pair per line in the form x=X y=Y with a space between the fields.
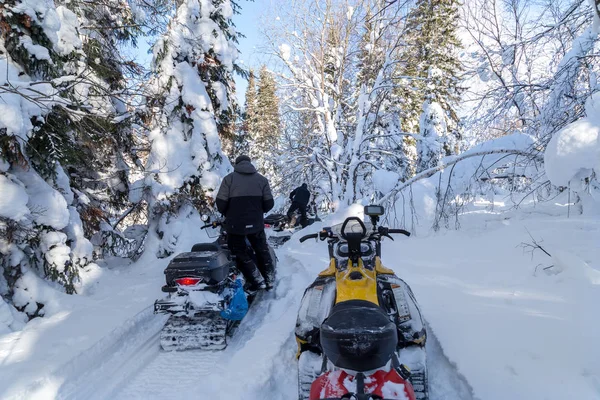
x=207 y=331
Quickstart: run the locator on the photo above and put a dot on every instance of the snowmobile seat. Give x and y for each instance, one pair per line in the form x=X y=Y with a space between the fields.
x=198 y=247
x=274 y=219
x=358 y=335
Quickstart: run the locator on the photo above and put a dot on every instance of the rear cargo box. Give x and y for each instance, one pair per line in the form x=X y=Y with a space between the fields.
x=213 y=266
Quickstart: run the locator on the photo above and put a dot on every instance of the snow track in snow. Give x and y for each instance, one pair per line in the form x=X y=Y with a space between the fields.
x=445 y=382
x=106 y=364
x=246 y=366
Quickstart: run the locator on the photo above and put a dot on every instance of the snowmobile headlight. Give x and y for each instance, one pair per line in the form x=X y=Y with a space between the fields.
x=343 y=250
x=205 y=217
x=366 y=250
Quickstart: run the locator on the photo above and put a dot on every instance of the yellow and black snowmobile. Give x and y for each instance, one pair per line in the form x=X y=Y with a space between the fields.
x=360 y=332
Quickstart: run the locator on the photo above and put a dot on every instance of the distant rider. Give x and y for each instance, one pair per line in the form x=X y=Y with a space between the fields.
x=243 y=198
x=299 y=197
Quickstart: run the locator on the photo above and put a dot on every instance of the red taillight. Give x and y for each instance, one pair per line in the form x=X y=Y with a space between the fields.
x=187 y=281
x=267 y=225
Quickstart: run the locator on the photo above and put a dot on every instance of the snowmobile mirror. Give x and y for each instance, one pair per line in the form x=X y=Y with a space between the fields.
x=374 y=210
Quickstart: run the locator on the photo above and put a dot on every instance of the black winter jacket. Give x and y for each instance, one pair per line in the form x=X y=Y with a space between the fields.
x=243 y=198
x=300 y=195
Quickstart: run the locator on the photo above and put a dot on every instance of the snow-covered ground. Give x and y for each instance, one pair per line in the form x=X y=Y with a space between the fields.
x=502 y=326
x=35 y=362
x=512 y=330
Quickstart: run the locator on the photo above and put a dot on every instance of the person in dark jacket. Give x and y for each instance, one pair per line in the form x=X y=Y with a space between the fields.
x=243 y=198
x=300 y=197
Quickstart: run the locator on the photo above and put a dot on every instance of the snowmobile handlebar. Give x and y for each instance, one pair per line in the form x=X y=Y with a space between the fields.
x=326 y=233
x=401 y=231
x=323 y=234
x=311 y=236
x=212 y=225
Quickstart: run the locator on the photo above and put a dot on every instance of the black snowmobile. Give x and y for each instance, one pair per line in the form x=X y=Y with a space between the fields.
x=280 y=228
x=206 y=296
x=359 y=328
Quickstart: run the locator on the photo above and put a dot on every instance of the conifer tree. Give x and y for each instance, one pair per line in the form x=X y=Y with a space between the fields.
x=186 y=163
x=433 y=130
x=40 y=227
x=430 y=66
x=249 y=116
x=430 y=76
x=99 y=169
x=219 y=76
x=266 y=124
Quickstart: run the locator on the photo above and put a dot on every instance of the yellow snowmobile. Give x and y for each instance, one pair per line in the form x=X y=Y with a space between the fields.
x=359 y=330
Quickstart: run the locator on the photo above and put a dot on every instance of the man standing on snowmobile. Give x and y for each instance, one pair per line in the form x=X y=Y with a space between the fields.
x=243 y=198
x=299 y=197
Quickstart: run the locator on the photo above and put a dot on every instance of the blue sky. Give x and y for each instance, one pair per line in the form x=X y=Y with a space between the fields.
x=248 y=24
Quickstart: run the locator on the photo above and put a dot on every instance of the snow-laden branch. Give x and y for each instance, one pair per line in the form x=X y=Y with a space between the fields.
x=596 y=7
x=432 y=171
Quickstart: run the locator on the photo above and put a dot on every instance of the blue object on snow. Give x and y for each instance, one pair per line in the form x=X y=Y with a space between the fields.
x=238 y=307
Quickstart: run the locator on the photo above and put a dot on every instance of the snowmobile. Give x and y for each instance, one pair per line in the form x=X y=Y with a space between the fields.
x=359 y=330
x=281 y=228
x=206 y=296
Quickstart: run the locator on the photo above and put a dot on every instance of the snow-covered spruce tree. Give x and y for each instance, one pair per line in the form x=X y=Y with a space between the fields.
x=41 y=232
x=433 y=130
x=186 y=161
x=219 y=76
x=103 y=128
x=266 y=124
x=249 y=116
x=429 y=66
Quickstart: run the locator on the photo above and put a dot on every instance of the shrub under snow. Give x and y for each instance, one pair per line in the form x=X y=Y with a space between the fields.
x=573 y=153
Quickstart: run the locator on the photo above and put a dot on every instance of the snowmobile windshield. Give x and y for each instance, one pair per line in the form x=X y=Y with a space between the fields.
x=213 y=232
x=352 y=227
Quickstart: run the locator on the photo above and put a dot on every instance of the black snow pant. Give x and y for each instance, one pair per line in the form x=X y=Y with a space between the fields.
x=263 y=269
x=298 y=206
